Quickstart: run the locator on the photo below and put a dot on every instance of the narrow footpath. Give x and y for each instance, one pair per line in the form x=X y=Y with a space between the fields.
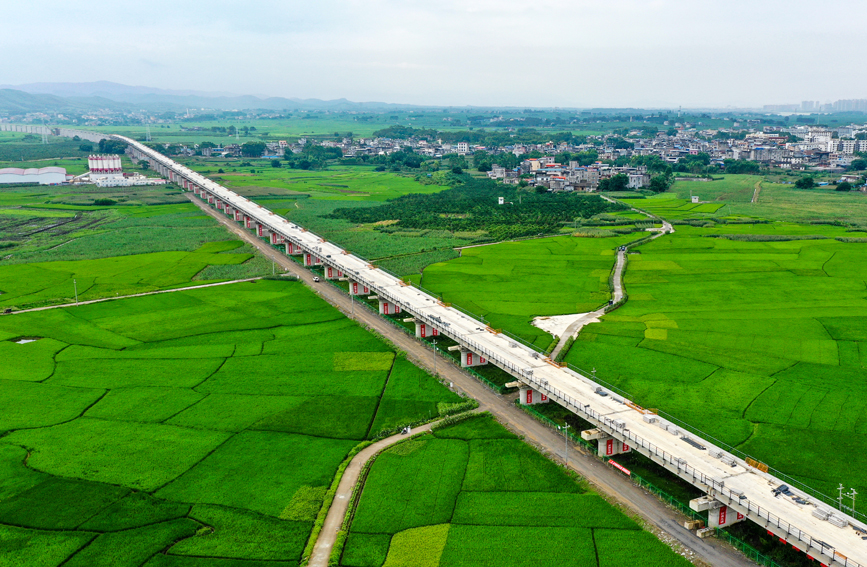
x=617 y=293
x=117 y=297
x=606 y=480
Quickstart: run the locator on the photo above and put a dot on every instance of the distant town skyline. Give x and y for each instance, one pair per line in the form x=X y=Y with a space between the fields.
x=587 y=53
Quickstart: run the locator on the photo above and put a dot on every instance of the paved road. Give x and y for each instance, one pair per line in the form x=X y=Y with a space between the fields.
x=606 y=480
x=115 y=298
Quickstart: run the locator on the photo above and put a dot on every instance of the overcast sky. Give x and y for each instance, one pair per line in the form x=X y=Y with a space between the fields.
x=573 y=53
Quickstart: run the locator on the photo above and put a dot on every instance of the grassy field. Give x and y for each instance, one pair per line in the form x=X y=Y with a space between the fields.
x=511 y=283
x=755 y=338
x=48 y=238
x=346 y=183
x=207 y=423
x=470 y=493
x=43 y=283
x=730 y=196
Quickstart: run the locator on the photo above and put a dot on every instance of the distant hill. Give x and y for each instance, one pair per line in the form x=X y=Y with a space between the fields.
x=15 y=101
x=105 y=94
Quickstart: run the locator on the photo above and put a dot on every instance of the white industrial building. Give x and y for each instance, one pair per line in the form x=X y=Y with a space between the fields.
x=42 y=176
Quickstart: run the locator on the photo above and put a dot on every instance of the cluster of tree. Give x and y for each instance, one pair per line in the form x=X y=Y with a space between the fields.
x=107 y=146
x=742 y=166
x=805 y=183
x=619 y=182
x=472 y=205
x=693 y=163
x=653 y=163
x=253 y=149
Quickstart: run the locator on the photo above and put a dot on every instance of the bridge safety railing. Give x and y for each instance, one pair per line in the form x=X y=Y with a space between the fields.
x=682 y=467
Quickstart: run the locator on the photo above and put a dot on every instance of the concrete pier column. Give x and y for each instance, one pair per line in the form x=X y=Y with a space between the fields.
x=239 y=216
x=423 y=330
x=356 y=288
x=293 y=249
x=333 y=273
x=529 y=396
x=260 y=230
x=724 y=516
x=388 y=308
x=312 y=260
x=276 y=238
x=470 y=359
x=248 y=222
x=609 y=446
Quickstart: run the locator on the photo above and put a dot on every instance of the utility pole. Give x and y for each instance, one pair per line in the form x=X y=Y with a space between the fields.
x=565 y=429
x=434 y=343
x=840 y=496
x=852 y=494
x=75 y=287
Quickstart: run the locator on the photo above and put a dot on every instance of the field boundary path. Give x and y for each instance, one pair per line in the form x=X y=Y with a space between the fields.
x=756 y=192
x=573 y=329
x=604 y=478
x=142 y=294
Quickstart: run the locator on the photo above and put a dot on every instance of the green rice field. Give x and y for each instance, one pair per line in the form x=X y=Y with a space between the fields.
x=191 y=428
x=752 y=333
x=472 y=494
x=513 y=282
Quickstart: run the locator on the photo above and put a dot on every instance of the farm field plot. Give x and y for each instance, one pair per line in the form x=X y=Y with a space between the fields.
x=759 y=343
x=668 y=206
x=513 y=282
x=346 y=183
x=181 y=427
x=121 y=275
x=470 y=493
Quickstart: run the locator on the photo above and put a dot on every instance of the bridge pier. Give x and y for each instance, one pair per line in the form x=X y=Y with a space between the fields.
x=470 y=359
x=312 y=260
x=293 y=249
x=333 y=273
x=423 y=330
x=276 y=239
x=356 y=288
x=718 y=514
x=529 y=396
x=608 y=445
x=388 y=308
x=239 y=216
x=248 y=222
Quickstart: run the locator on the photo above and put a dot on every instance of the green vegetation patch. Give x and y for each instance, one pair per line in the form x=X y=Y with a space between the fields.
x=418 y=547
x=139 y=455
x=365 y=550
x=514 y=282
x=616 y=548
x=495 y=546
x=766 y=333
x=243 y=535
x=410 y=490
x=131 y=548
x=259 y=470
x=538 y=509
x=36 y=548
